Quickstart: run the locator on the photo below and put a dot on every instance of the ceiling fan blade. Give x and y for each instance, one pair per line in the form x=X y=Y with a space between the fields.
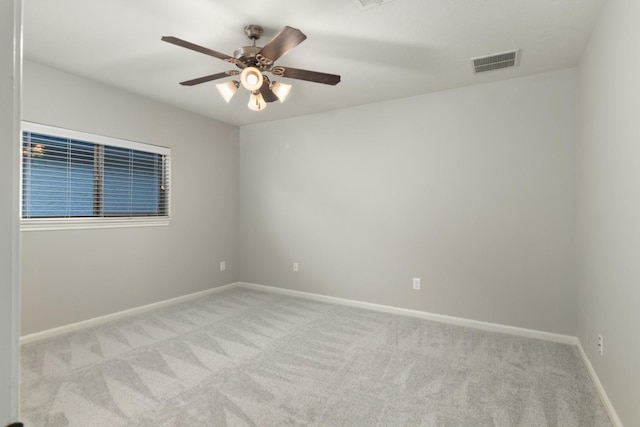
x=204 y=79
x=267 y=93
x=311 y=76
x=189 y=45
x=281 y=43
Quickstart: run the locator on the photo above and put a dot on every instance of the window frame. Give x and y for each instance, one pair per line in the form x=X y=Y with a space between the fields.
x=59 y=223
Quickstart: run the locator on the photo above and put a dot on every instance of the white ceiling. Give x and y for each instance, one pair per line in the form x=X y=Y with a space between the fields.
x=398 y=49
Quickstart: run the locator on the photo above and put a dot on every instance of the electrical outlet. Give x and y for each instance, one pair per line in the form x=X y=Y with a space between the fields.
x=295 y=267
x=416 y=283
x=600 y=345
x=223 y=265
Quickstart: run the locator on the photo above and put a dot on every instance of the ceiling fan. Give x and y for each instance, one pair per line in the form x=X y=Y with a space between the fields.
x=253 y=61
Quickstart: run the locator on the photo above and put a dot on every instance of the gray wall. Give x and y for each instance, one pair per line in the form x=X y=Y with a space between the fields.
x=471 y=190
x=73 y=275
x=609 y=204
x=10 y=37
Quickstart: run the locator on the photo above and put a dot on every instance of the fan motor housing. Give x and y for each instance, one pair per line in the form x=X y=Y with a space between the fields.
x=247 y=55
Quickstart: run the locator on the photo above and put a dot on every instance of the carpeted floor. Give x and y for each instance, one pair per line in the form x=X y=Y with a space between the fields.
x=246 y=358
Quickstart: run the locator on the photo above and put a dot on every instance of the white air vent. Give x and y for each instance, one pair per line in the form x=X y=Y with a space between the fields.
x=496 y=61
x=366 y=4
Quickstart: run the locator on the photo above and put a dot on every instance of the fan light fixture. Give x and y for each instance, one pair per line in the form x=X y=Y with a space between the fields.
x=251 y=78
x=281 y=90
x=256 y=101
x=256 y=80
x=228 y=89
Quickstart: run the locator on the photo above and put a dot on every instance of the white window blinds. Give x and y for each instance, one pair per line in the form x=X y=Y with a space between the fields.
x=69 y=174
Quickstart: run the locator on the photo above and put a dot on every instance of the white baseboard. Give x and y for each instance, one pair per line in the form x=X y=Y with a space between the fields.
x=492 y=327
x=26 y=339
x=613 y=415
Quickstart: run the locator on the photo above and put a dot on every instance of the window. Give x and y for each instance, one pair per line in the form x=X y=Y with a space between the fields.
x=73 y=178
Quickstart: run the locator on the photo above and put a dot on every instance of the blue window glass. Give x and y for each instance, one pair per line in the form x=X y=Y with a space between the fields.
x=57 y=177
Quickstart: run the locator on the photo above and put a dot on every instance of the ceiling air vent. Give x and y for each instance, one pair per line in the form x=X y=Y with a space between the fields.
x=496 y=61
x=366 y=4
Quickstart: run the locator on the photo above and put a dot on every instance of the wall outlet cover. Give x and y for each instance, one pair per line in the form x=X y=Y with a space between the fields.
x=600 y=345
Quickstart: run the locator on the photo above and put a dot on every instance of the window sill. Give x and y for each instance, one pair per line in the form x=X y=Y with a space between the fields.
x=47 y=224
